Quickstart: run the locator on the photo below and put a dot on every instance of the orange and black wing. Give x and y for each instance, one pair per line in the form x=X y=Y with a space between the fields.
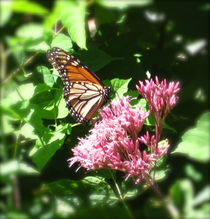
x=70 y=68
x=83 y=91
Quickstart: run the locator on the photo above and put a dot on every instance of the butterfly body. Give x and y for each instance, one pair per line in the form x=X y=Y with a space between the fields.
x=83 y=91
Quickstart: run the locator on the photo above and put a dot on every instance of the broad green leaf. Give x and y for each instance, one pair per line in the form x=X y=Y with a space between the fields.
x=30 y=31
x=17 y=49
x=44 y=113
x=125 y=4
x=131 y=193
x=8 y=128
x=43 y=151
x=47 y=75
x=6 y=12
x=102 y=190
x=51 y=19
x=41 y=88
x=202 y=196
x=93 y=180
x=195 y=141
x=193 y=173
x=28 y=7
x=41 y=47
x=73 y=18
x=62 y=41
x=120 y=86
x=27 y=131
x=181 y=194
x=23 y=92
x=62 y=109
x=26 y=91
x=16 y=167
x=33 y=118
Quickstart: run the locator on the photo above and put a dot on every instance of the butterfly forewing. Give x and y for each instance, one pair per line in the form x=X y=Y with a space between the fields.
x=83 y=91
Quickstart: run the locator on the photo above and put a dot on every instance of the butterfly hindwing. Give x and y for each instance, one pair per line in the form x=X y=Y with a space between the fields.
x=83 y=91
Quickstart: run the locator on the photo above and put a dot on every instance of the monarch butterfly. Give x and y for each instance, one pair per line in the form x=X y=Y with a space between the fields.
x=83 y=91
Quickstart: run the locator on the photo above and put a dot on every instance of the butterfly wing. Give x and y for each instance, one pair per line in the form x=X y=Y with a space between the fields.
x=83 y=91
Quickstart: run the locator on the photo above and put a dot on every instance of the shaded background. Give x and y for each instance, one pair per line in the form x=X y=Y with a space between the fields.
x=115 y=39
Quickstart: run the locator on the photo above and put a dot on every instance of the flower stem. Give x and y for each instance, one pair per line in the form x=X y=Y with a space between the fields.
x=122 y=198
x=172 y=210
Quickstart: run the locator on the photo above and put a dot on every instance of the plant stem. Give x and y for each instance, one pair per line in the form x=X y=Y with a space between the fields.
x=122 y=199
x=172 y=210
x=26 y=62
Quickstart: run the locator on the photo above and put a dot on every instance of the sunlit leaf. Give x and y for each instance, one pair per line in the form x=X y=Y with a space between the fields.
x=120 y=86
x=7 y=124
x=29 y=7
x=31 y=31
x=27 y=131
x=195 y=141
x=125 y=4
x=62 y=109
x=73 y=18
x=181 y=194
x=6 y=12
x=42 y=47
x=62 y=41
x=16 y=167
x=46 y=148
x=25 y=91
x=202 y=196
x=47 y=75
x=193 y=173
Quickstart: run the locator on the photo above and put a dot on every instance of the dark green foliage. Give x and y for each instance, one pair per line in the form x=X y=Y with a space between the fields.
x=37 y=132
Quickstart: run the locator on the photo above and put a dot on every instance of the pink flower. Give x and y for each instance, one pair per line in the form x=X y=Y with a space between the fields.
x=161 y=96
x=114 y=143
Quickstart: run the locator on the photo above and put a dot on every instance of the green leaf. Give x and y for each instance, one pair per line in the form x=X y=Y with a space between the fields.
x=30 y=31
x=45 y=149
x=27 y=131
x=125 y=4
x=28 y=7
x=7 y=124
x=182 y=196
x=101 y=191
x=16 y=167
x=23 y=92
x=26 y=91
x=120 y=86
x=192 y=173
x=41 y=88
x=51 y=19
x=73 y=18
x=195 y=141
x=62 y=109
x=47 y=75
x=5 y=12
x=93 y=180
x=202 y=196
x=41 y=47
x=62 y=41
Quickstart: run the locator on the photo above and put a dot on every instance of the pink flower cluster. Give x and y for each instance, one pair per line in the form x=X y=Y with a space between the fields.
x=161 y=96
x=116 y=141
